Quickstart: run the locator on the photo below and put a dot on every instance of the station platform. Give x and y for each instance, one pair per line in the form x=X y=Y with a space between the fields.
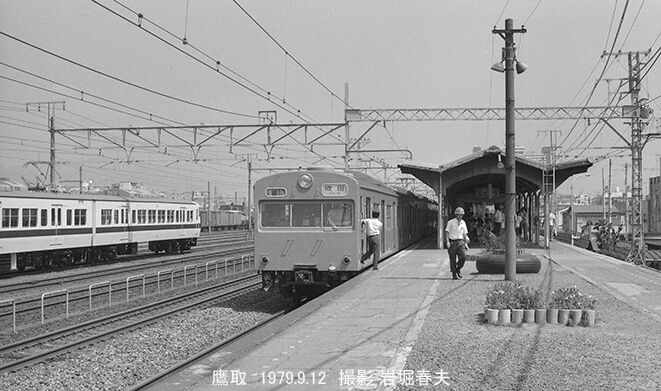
x=361 y=334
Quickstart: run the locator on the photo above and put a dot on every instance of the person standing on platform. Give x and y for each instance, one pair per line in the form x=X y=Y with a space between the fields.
x=499 y=221
x=552 y=232
x=457 y=240
x=373 y=239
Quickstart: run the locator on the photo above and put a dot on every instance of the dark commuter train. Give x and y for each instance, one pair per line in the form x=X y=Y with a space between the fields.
x=47 y=229
x=309 y=233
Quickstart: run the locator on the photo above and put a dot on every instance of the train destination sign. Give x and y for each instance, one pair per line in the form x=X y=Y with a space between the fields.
x=334 y=189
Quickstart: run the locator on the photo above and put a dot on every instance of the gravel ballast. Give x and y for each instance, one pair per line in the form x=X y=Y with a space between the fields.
x=123 y=361
x=620 y=352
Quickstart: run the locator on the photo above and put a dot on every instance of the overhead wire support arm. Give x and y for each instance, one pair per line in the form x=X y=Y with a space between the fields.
x=483 y=114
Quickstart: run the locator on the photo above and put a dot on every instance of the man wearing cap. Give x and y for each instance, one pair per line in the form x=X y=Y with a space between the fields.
x=456 y=234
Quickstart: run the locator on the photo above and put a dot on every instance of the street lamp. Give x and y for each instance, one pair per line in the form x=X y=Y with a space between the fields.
x=509 y=58
x=571 y=206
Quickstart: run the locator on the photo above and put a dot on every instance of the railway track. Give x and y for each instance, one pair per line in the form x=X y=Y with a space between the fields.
x=37 y=349
x=28 y=309
x=13 y=288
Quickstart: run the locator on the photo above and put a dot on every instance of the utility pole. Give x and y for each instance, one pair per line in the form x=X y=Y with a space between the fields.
x=249 y=196
x=509 y=56
x=51 y=129
x=627 y=222
x=548 y=184
x=610 y=191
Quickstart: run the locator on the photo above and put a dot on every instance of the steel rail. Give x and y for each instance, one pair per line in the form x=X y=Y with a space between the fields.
x=250 y=284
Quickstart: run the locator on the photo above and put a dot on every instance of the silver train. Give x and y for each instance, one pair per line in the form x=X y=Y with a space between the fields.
x=46 y=229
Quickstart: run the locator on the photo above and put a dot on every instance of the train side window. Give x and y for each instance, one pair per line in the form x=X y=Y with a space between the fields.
x=338 y=214
x=105 y=216
x=9 y=217
x=52 y=216
x=275 y=214
x=161 y=216
x=44 y=217
x=133 y=216
x=151 y=214
x=80 y=217
x=142 y=216
x=69 y=217
x=59 y=217
x=115 y=216
x=29 y=217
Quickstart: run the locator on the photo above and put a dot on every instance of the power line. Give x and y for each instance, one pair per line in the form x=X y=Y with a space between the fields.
x=214 y=68
x=288 y=54
x=125 y=81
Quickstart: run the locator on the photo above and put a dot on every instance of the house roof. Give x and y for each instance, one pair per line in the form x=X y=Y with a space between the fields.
x=593 y=209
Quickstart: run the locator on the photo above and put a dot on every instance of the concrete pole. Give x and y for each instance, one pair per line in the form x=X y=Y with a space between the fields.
x=441 y=227
x=510 y=159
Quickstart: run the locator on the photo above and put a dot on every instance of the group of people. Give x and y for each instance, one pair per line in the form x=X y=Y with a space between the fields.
x=456 y=234
x=600 y=235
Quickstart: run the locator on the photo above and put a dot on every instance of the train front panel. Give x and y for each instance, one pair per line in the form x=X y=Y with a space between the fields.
x=307 y=230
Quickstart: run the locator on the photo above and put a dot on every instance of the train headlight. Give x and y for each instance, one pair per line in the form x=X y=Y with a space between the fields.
x=332 y=269
x=265 y=259
x=305 y=181
x=346 y=259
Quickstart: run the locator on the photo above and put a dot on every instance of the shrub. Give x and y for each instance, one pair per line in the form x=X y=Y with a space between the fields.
x=530 y=298
x=571 y=298
x=504 y=295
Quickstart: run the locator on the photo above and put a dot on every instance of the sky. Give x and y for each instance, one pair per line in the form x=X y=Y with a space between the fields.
x=100 y=69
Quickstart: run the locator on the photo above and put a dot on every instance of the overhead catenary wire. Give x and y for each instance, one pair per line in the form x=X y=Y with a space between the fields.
x=118 y=79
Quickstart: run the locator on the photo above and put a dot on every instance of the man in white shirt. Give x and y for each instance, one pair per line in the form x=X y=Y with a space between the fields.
x=456 y=234
x=499 y=221
x=373 y=226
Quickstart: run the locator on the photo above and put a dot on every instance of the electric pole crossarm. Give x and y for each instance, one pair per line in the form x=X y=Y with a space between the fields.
x=137 y=134
x=483 y=114
x=326 y=133
x=287 y=134
x=616 y=132
x=362 y=135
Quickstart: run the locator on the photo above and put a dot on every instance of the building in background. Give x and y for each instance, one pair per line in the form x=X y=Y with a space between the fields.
x=653 y=207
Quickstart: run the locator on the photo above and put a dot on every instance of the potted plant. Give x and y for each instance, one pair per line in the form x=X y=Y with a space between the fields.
x=574 y=307
x=492 y=258
x=530 y=300
x=501 y=299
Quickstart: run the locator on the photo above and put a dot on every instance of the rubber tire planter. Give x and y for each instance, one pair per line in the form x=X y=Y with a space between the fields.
x=495 y=263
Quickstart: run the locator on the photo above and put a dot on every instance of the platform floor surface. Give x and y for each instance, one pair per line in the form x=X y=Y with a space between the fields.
x=367 y=327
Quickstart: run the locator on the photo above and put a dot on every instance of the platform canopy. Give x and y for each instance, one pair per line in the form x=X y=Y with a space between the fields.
x=479 y=168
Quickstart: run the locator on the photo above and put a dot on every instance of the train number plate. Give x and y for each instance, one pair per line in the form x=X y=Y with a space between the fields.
x=334 y=189
x=304 y=276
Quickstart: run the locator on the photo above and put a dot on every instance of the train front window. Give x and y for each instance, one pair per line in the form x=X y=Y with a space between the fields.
x=275 y=215
x=338 y=214
x=306 y=214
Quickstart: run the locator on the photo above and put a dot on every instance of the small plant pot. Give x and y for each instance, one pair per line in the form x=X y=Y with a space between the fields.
x=540 y=315
x=517 y=316
x=589 y=317
x=552 y=316
x=492 y=316
x=504 y=316
x=575 y=317
x=528 y=316
x=563 y=317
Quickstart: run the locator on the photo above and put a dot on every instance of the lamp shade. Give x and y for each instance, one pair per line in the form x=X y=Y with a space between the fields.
x=498 y=67
x=521 y=67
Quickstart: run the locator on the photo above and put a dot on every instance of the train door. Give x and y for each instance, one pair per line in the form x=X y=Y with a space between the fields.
x=367 y=213
x=182 y=220
x=383 y=226
x=56 y=224
x=124 y=221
